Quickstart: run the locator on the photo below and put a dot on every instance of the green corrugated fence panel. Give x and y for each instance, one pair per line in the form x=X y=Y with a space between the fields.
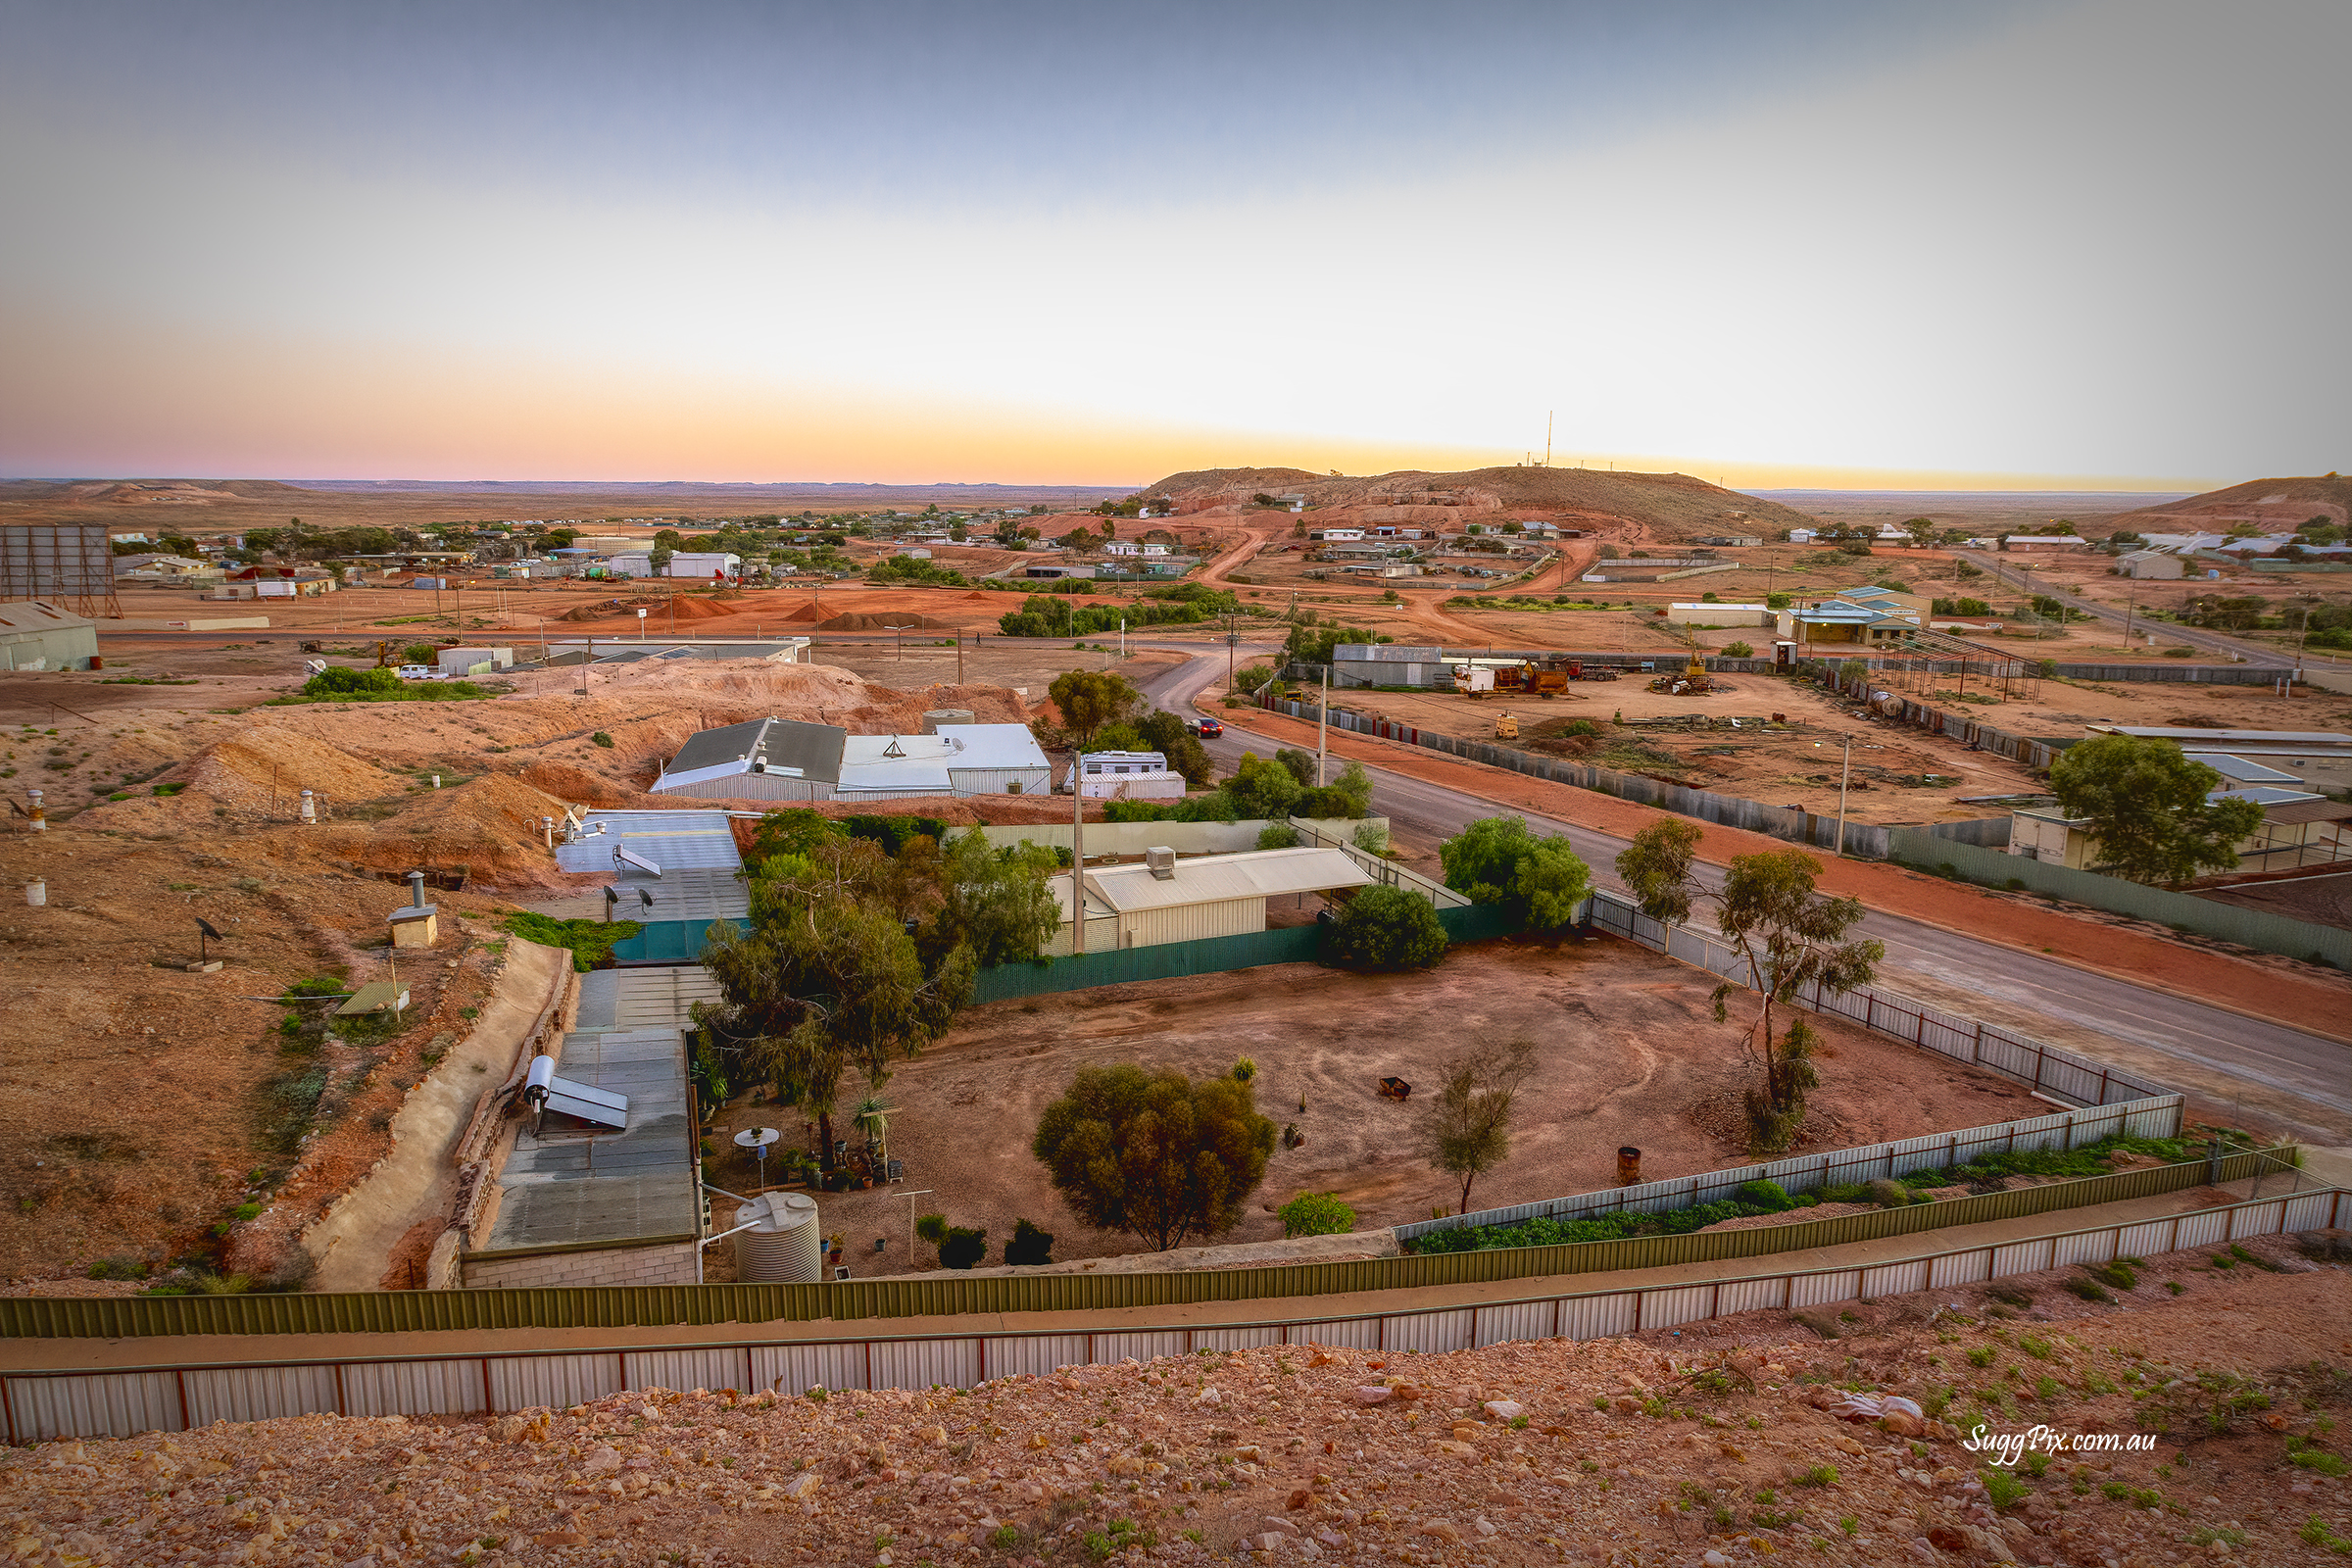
x=625 y=1307
x=1172 y=961
x=2254 y=928
x=1477 y=922
x=1165 y=960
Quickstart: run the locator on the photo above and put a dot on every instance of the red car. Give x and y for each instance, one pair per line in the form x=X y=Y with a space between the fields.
x=1206 y=728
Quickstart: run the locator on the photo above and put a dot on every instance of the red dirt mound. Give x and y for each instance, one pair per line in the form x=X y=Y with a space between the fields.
x=861 y=620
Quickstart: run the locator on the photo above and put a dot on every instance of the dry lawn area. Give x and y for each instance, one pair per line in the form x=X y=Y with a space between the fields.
x=1629 y=1054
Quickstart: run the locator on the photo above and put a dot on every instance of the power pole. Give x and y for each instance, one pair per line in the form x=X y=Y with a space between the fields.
x=1323 y=726
x=1844 y=777
x=1077 y=849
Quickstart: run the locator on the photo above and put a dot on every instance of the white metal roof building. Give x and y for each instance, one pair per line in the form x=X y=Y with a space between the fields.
x=784 y=760
x=2316 y=756
x=1163 y=898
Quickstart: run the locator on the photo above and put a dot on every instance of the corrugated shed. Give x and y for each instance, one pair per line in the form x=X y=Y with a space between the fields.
x=1190 y=922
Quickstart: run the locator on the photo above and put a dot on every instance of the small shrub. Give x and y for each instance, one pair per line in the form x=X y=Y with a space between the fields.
x=2089 y=1291
x=1981 y=1355
x=2004 y=1489
x=963 y=1249
x=1029 y=1246
x=1738 y=651
x=1770 y=1197
x=600 y=738
x=1820 y=1475
x=2014 y=1294
x=2117 y=1274
x=932 y=1228
x=1889 y=1193
x=1317 y=1214
x=1244 y=1070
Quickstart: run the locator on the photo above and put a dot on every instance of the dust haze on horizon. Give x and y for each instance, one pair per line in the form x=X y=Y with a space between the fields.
x=1818 y=243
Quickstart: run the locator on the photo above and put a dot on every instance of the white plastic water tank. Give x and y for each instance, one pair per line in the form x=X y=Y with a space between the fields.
x=784 y=1243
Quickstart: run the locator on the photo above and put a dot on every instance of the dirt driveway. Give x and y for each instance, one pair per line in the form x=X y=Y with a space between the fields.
x=1629 y=1054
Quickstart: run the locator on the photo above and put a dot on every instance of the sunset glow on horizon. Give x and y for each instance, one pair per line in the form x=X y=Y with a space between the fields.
x=1815 y=244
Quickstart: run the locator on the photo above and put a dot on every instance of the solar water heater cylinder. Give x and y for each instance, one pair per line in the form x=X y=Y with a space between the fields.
x=783 y=1244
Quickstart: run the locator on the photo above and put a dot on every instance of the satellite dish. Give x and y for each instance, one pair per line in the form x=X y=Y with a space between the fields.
x=644 y=897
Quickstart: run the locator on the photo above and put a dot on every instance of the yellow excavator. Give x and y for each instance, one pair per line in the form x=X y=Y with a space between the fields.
x=1694 y=680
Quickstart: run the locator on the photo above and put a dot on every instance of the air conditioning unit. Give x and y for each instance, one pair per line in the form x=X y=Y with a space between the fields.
x=1161 y=862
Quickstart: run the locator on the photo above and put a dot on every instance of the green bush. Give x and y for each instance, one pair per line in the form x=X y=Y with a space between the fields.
x=600 y=738
x=590 y=942
x=1889 y=1194
x=1278 y=836
x=1317 y=1214
x=1385 y=928
x=420 y=653
x=932 y=1228
x=337 y=681
x=1029 y=1246
x=1770 y=1197
x=963 y=1248
x=1738 y=651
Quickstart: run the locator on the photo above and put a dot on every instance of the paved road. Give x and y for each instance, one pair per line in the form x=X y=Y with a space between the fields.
x=2210 y=642
x=2224 y=1045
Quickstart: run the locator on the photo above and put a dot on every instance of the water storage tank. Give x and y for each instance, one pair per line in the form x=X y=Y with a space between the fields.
x=946 y=715
x=784 y=1244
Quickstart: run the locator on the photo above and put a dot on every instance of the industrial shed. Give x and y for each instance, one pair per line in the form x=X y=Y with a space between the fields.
x=1163 y=898
x=35 y=636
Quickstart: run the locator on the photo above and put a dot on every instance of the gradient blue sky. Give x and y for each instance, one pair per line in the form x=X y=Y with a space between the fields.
x=2002 y=244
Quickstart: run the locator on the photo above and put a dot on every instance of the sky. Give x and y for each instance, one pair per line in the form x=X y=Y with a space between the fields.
x=1784 y=242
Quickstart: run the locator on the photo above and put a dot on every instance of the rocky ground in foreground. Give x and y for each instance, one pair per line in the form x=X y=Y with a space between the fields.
x=1698 y=1448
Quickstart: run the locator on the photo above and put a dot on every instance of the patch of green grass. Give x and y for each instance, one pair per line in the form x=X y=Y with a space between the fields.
x=1820 y=1475
x=2314 y=1533
x=590 y=942
x=2088 y=1290
x=2003 y=1489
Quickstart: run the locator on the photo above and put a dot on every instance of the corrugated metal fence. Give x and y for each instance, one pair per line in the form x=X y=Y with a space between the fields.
x=176 y=1394
x=2156 y=1117
x=1172 y=961
x=2251 y=928
x=625 y=1307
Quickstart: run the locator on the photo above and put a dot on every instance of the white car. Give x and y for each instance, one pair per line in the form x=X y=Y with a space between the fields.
x=419 y=672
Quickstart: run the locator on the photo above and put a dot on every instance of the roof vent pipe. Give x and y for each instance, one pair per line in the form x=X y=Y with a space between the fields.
x=416 y=890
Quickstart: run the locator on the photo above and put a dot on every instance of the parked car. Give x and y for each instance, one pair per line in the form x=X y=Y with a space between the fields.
x=1208 y=729
x=419 y=672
